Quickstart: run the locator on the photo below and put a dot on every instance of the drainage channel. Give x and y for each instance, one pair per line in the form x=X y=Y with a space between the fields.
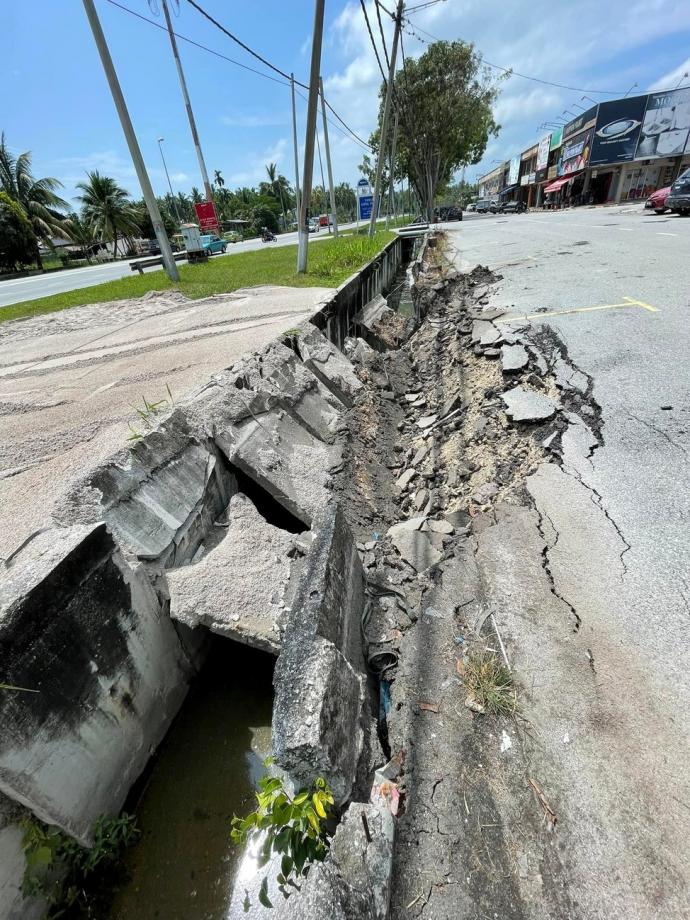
x=206 y=770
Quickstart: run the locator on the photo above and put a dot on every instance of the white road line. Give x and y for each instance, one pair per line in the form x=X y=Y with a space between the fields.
x=661 y=233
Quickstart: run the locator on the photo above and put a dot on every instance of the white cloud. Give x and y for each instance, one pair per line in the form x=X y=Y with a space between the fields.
x=677 y=77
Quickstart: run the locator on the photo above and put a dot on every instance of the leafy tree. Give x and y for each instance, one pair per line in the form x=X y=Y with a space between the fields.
x=107 y=207
x=145 y=224
x=17 y=239
x=445 y=101
x=38 y=198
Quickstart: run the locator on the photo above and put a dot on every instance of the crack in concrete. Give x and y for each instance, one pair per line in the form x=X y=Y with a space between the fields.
x=660 y=431
x=545 y=564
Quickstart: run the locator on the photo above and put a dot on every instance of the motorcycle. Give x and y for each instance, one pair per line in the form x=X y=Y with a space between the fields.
x=268 y=237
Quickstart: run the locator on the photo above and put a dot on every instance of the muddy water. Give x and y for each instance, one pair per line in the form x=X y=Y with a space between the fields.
x=183 y=866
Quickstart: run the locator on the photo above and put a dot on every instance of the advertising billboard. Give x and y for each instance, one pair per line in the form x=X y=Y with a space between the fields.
x=617 y=130
x=665 y=128
x=556 y=138
x=514 y=171
x=207 y=217
x=576 y=153
x=543 y=151
x=580 y=121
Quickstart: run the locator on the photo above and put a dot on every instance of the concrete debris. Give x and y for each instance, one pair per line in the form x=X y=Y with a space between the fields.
x=569 y=377
x=440 y=526
x=451 y=405
x=236 y=589
x=421 y=454
x=420 y=499
x=426 y=421
x=485 y=333
x=284 y=459
x=526 y=406
x=417 y=549
x=328 y=364
x=513 y=358
x=411 y=524
x=405 y=479
x=484 y=493
x=102 y=668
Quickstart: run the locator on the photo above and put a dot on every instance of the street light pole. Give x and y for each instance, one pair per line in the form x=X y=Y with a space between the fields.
x=294 y=144
x=384 y=124
x=328 y=161
x=132 y=143
x=167 y=175
x=188 y=104
x=310 y=134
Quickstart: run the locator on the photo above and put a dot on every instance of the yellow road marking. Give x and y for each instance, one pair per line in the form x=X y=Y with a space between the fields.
x=629 y=302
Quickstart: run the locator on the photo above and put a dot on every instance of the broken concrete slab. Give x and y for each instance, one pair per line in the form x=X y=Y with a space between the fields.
x=403 y=481
x=513 y=358
x=237 y=588
x=411 y=524
x=527 y=406
x=569 y=377
x=443 y=527
x=329 y=364
x=485 y=333
x=426 y=421
x=104 y=673
x=284 y=459
x=484 y=493
x=417 y=549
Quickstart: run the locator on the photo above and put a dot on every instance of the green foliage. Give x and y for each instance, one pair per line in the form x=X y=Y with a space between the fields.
x=446 y=115
x=107 y=207
x=295 y=828
x=489 y=682
x=72 y=879
x=17 y=239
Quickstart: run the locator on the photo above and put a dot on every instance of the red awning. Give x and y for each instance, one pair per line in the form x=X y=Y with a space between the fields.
x=556 y=185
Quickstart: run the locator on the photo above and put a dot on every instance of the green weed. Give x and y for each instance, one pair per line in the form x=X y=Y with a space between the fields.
x=489 y=682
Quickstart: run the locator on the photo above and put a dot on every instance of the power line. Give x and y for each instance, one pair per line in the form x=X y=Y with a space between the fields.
x=253 y=70
x=371 y=39
x=515 y=73
x=383 y=37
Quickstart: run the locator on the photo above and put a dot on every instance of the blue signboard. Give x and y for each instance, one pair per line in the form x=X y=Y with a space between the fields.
x=366 y=203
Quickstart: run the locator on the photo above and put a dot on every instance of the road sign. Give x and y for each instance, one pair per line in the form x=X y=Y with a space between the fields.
x=363 y=181
x=207 y=217
x=366 y=203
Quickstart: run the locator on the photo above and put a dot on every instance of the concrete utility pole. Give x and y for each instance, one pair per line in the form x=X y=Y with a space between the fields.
x=323 y=180
x=380 y=159
x=391 y=189
x=188 y=104
x=132 y=143
x=167 y=175
x=310 y=134
x=294 y=144
x=328 y=159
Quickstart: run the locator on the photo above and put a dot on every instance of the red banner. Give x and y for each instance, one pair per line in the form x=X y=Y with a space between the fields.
x=207 y=217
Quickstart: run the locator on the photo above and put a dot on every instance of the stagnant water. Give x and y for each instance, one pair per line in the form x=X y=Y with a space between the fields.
x=184 y=865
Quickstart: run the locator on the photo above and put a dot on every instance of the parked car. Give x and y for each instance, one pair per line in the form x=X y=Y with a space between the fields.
x=513 y=207
x=154 y=248
x=232 y=236
x=450 y=212
x=657 y=200
x=213 y=243
x=472 y=206
x=486 y=205
x=679 y=198
x=314 y=225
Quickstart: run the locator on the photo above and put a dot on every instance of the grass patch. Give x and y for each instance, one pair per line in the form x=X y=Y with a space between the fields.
x=330 y=263
x=489 y=682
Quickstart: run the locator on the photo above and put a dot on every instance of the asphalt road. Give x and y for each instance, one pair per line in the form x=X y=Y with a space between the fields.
x=613 y=283
x=31 y=288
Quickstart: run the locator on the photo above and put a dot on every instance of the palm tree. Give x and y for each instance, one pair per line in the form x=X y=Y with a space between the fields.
x=36 y=197
x=83 y=234
x=107 y=207
x=276 y=184
x=218 y=178
x=197 y=197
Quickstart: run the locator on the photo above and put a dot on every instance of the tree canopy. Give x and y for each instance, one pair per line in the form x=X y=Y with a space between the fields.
x=17 y=239
x=444 y=100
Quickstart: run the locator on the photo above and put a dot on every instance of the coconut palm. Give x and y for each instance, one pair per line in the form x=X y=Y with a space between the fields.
x=277 y=183
x=107 y=207
x=37 y=197
x=218 y=178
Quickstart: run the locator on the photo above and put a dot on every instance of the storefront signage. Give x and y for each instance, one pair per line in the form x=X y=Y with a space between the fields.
x=553 y=172
x=576 y=153
x=577 y=124
x=514 y=171
x=617 y=130
x=543 y=151
x=556 y=138
x=524 y=180
x=531 y=178
x=665 y=130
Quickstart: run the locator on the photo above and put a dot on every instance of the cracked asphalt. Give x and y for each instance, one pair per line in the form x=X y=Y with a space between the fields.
x=606 y=537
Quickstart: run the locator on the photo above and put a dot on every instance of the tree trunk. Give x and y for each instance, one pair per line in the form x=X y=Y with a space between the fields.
x=114 y=245
x=39 y=260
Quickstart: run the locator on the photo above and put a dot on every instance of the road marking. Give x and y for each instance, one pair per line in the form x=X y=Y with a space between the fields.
x=629 y=302
x=661 y=233
x=626 y=229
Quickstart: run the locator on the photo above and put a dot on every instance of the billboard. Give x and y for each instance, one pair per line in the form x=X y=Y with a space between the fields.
x=514 y=171
x=365 y=203
x=578 y=123
x=543 y=151
x=556 y=138
x=207 y=217
x=576 y=153
x=665 y=130
x=617 y=130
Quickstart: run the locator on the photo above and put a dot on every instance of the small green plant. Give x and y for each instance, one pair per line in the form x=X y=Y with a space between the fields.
x=296 y=828
x=489 y=682
x=73 y=879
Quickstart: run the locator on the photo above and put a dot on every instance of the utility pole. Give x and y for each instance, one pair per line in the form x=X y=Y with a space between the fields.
x=328 y=160
x=188 y=104
x=294 y=144
x=380 y=159
x=391 y=189
x=323 y=180
x=310 y=134
x=132 y=143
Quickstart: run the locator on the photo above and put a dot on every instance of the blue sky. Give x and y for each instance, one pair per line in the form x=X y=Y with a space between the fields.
x=55 y=101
